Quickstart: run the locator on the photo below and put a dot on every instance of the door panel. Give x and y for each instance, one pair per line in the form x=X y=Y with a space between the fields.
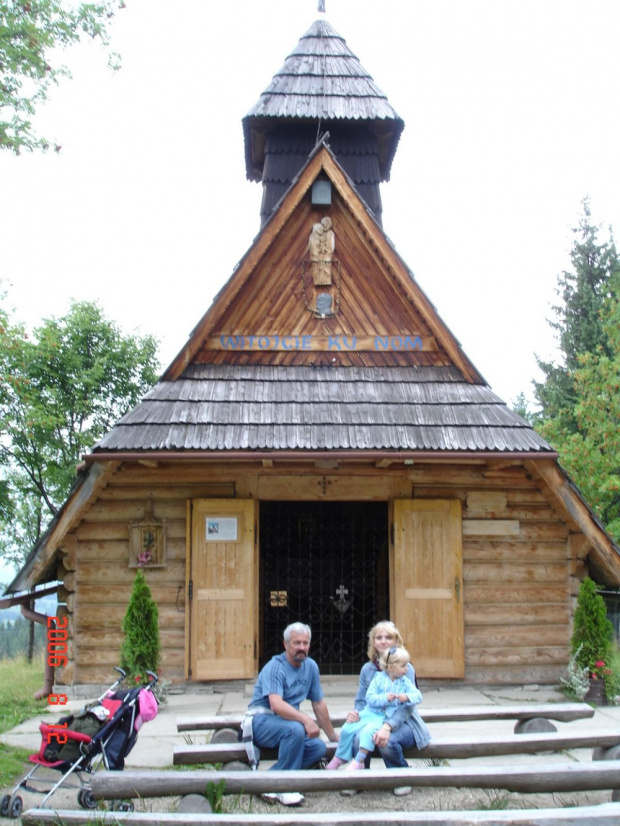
x=223 y=573
x=427 y=582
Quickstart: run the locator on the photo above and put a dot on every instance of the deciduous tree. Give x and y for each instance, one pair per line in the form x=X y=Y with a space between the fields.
x=60 y=391
x=31 y=34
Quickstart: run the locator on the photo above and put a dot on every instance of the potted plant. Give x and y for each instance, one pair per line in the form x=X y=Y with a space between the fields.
x=591 y=642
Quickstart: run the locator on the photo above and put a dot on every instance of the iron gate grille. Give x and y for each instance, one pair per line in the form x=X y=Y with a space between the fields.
x=326 y=564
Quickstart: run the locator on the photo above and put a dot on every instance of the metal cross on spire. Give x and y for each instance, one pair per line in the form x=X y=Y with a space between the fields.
x=321 y=5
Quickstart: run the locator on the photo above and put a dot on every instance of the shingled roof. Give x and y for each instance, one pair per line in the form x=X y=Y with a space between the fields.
x=258 y=407
x=321 y=80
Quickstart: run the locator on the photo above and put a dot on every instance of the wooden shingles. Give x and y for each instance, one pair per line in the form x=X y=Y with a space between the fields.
x=230 y=407
x=321 y=80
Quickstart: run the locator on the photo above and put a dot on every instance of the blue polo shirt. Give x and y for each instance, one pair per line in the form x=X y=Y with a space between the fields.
x=292 y=684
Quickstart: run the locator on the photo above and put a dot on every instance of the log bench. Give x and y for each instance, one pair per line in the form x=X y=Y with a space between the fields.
x=535 y=779
x=606 y=814
x=439 y=748
x=522 y=713
x=603 y=773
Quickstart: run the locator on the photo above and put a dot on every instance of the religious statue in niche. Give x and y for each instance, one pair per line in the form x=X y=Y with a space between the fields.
x=322 y=245
x=321 y=294
x=147 y=541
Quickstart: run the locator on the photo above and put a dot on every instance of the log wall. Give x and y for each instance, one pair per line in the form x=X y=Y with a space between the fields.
x=521 y=562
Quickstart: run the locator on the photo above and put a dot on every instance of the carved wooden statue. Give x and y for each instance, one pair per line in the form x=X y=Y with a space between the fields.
x=322 y=244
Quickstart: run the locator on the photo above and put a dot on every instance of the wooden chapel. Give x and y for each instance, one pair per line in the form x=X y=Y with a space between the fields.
x=322 y=449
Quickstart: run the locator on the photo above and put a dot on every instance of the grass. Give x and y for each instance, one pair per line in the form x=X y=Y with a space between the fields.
x=18 y=682
x=497 y=800
x=12 y=764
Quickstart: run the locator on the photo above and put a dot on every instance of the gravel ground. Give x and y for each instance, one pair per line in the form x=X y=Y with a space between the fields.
x=422 y=800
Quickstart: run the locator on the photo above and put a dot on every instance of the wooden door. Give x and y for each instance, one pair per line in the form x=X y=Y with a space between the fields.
x=427 y=584
x=223 y=586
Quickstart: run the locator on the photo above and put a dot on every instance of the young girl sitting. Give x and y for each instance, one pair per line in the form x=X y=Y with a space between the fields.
x=387 y=690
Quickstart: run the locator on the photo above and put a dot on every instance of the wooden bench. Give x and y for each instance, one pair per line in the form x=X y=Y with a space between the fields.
x=606 y=814
x=534 y=778
x=603 y=773
x=538 y=779
x=439 y=748
x=523 y=712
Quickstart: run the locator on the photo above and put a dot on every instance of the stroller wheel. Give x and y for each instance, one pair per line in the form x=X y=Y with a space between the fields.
x=123 y=806
x=4 y=805
x=86 y=800
x=17 y=804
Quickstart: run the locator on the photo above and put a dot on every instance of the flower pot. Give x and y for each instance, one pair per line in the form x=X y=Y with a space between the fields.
x=596 y=693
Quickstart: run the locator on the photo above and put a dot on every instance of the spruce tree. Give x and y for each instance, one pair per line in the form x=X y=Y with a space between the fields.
x=587 y=436
x=578 y=323
x=141 y=646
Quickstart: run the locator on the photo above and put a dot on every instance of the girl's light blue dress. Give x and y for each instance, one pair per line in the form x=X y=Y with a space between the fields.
x=376 y=711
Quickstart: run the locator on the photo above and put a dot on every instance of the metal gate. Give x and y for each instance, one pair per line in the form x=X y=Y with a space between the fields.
x=325 y=564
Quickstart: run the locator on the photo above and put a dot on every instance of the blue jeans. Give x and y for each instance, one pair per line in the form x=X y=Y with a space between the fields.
x=295 y=749
x=392 y=754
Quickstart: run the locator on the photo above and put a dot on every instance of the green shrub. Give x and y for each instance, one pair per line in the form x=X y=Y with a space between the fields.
x=141 y=646
x=592 y=631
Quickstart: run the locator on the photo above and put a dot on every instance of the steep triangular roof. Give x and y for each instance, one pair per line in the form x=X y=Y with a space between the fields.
x=321 y=80
x=398 y=305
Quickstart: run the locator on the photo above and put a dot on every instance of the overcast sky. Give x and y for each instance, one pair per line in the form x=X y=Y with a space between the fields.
x=511 y=113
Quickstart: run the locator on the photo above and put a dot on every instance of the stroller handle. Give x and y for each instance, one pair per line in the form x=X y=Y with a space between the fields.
x=115 y=684
x=152 y=676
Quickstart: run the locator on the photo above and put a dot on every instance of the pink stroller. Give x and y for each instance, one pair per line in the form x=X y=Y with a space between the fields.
x=117 y=717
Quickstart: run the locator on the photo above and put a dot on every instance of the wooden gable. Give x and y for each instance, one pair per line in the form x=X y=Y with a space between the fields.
x=267 y=313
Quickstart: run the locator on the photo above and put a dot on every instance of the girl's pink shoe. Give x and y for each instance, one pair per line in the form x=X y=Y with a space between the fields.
x=353 y=765
x=335 y=763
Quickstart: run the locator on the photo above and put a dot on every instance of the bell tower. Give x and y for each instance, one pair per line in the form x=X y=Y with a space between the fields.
x=322 y=87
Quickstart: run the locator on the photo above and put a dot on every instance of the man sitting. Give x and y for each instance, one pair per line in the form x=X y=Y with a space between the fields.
x=273 y=718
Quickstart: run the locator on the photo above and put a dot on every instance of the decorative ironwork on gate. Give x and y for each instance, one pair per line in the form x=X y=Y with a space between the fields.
x=326 y=564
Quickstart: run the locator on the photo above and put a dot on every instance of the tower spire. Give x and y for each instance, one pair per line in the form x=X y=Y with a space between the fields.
x=322 y=86
x=321 y=6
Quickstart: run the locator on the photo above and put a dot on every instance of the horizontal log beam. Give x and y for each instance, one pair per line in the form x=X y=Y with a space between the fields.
x=606 y=814
x=456 y=748
x=561 y=777
x=564 y=712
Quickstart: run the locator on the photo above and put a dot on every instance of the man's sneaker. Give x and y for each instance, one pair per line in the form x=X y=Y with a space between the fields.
x=285 y=798
x=401 y=791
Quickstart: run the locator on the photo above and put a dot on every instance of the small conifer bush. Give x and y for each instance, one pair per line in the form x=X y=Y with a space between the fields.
x=592 y=631
x=141 y=646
